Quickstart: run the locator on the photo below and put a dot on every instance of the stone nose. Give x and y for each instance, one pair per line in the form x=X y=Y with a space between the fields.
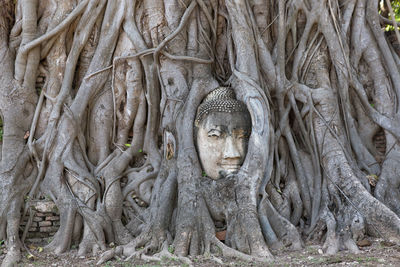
x=230 y=150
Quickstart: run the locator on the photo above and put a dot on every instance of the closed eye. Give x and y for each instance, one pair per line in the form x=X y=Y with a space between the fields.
x=214 y=133
x=242 y=136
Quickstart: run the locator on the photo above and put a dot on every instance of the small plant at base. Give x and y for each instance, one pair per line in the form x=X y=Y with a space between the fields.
x=171 y=249
x=207 y=255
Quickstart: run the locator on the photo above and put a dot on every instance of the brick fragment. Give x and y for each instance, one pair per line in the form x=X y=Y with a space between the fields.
x=45 y=223
x=48 y=229
x=52 y=218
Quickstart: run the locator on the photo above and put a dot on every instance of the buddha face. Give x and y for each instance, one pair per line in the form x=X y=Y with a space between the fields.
x=221 y=140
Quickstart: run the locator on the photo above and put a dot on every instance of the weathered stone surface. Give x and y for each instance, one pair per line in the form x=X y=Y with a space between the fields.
x=37 y=219
x=45 y=223
x=44 y=206
x=223 y=127
x=52 y=218
x=48 y=229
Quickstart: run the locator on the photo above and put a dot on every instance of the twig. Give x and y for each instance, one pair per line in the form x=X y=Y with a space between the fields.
x=74 y=14
x=388 y=21
x=187 y=58
x=182 y=23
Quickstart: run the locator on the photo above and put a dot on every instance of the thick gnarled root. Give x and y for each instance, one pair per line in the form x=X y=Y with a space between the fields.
x=340 y=232
x=230 y=252
x=286 y=232
x=12 y=258
x=142 y=244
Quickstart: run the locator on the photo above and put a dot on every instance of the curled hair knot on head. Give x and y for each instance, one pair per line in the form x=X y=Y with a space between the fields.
x=221 y=99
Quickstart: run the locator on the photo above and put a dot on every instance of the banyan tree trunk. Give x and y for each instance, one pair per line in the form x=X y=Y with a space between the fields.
x=108 y=136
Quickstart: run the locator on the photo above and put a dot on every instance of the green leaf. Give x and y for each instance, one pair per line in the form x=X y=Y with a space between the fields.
x=204 y=174
x=127 y=145
x=140 y=150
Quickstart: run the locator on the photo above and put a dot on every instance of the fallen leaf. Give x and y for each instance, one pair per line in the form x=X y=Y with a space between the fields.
x=387 y=243
x=364 y=243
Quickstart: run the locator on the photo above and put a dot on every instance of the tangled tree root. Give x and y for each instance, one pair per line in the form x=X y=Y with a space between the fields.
x=120 y=83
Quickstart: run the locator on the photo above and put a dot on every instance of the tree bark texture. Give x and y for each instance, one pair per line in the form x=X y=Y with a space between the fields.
x=98 y=100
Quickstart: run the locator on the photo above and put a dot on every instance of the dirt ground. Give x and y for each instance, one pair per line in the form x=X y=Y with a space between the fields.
x=375 y=252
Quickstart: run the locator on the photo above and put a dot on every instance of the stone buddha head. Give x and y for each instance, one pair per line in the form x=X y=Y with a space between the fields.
x=222 y=130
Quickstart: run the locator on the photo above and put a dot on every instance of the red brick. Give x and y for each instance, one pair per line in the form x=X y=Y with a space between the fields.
x=221 y=235
x=52 y=218
x=48 y=229
x=37 y=219
x=45 y=223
